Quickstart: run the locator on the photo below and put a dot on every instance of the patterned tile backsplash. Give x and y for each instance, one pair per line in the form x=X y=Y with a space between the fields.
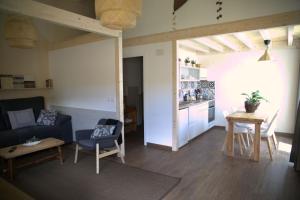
x=206 y=88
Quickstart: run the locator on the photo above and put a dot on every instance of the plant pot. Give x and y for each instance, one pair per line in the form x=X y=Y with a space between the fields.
x=251 y=108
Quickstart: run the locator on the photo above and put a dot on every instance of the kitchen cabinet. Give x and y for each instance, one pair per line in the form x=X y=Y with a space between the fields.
x=188 y=73
x=183 y=134
x=198 y=119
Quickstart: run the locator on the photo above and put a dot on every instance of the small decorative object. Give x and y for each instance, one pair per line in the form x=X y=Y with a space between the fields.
x=20 y=32
x=118 y=14
x=252 y=101
x=198 y=65
x=193 y=62
x=32 y=141
x=219 y=9
x=187 y=60
x=49 y=83
x=6 y=81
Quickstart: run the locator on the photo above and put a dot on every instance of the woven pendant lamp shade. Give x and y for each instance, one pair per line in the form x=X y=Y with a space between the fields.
x=20 y=32
x=118 y=14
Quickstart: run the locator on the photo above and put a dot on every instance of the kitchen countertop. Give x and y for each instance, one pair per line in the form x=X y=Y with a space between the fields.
x=186 y=104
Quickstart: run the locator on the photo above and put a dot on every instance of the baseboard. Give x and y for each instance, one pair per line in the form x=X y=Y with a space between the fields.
x=286 y=135
x=159 y=146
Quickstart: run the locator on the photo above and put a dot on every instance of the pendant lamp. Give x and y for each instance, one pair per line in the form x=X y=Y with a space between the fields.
x=118 y=14
x=266 y=56
x=20 y=32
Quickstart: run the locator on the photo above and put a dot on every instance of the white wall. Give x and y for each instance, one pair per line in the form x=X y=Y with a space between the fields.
x=157 y=90
x=84 y=76
x=157 y=14
x=239 y=72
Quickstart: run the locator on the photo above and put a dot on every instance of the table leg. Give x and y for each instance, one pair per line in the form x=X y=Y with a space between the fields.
x=60 y=155
x=10 y=169
x=256 y=143
x=229 y=140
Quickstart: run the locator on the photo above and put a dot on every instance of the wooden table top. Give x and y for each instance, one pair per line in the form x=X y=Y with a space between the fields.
x=23 y=150
x=248 y=117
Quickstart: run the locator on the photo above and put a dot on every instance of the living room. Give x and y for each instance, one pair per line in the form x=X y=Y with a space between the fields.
x=79 y=73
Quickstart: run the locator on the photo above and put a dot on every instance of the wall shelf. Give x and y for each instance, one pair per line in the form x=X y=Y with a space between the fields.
x=25 y=89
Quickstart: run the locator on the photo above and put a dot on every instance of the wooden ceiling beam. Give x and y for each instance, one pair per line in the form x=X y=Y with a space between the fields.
x=265 y=34
x=290 y=35
x=226 y=42
x=194 y=45
x=58 y=16
x=211 y=44
x=244 y=39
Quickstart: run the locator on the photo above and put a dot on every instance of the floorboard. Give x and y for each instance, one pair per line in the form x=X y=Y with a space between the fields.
x=208 y=174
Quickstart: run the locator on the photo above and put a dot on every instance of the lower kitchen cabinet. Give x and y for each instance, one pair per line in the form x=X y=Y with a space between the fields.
x=183 y=127
x=198 y=119
x=193 y=121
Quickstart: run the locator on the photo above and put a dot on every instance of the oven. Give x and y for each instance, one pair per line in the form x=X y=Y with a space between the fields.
x=211 y=111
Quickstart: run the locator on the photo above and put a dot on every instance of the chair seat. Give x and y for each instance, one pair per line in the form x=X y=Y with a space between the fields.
x=87 y=144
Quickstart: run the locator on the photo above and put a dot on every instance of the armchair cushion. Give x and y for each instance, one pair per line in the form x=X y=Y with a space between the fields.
x=102 y=130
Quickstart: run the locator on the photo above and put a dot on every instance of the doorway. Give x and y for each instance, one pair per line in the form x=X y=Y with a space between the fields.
x=133 y=100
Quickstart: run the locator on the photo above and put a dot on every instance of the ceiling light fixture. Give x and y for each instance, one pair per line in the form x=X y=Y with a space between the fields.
x=266 y=56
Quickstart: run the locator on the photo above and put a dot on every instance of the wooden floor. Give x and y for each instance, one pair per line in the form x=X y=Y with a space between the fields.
x=206 y=173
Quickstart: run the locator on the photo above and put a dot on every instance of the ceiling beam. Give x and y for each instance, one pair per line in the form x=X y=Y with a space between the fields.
x=290 y=35
x=194 y=45
x=226 y=42
x=57 y=16
x=244 y=39
x=265 y=34
x=211 y=44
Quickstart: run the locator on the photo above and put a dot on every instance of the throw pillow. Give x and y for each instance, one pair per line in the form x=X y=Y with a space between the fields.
x=21 y=118
x=47 y=118
x=103 y=130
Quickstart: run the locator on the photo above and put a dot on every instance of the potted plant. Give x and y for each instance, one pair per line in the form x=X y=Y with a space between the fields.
x=187 y=60
x=193 y=62
x=252 y=101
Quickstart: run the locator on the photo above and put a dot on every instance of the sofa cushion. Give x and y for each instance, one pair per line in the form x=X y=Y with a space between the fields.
x=2 y=123
x=40 y=132
x=21 y=118
x=47 y=118
x=36 y=103
x=8 y=138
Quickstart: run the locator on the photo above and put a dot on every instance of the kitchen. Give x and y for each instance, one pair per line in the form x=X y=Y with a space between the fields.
x=214 y=71
x=196 y=98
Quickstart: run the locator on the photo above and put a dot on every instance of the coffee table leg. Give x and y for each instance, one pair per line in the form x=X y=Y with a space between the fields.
x=10 y=169
x=60 y=155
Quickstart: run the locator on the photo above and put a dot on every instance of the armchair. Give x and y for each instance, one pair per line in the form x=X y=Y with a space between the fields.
x=104 y=146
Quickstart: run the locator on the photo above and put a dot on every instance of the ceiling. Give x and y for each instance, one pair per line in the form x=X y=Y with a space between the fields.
x=288 y=36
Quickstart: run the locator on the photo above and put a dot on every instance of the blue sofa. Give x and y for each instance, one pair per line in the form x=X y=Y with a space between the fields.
x=62 y=129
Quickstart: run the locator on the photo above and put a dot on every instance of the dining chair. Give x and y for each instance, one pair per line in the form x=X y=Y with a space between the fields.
x=238 y=131
x=267 y=133
x=249 y=127
x=104 y=145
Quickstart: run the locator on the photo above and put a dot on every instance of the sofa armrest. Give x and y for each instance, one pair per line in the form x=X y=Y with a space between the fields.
x=83 y=134
x=61 y=119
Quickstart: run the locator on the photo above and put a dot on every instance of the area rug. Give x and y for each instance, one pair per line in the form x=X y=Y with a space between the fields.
x=116 y=181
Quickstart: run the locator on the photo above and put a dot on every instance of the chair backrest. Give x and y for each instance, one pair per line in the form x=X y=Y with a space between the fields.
x=270 y=127
x=225 y=114
x=117 y=123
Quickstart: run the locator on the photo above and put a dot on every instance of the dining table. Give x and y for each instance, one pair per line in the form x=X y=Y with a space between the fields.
x=256 y=118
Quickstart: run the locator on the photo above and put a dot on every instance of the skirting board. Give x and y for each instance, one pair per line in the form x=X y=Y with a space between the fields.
x=159 y=146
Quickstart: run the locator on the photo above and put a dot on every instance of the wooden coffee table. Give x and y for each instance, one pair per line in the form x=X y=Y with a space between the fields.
x=21 y=150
